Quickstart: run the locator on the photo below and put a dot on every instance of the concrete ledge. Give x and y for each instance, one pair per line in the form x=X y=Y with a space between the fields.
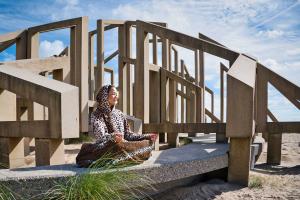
x=164 y=166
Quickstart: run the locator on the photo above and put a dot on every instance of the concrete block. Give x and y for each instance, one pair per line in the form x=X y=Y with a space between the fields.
x=11 y=152
x=49 y=152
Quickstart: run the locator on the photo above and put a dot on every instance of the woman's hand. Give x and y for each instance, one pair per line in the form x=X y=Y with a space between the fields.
x=152 y=136
x=118 y=137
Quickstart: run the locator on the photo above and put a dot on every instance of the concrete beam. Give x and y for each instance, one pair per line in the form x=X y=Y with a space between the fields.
x=54 y=25
x=283 y=127
x=290 y=90
x=40 y=65
x=212 y=116
x=185 y=127
x=189 y=41
x=10 y=36
x=180 y=79
x=6 y=44
x=272 y=116
x=37 y=128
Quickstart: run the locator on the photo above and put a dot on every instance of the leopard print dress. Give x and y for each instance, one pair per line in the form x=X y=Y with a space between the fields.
x=105 y=122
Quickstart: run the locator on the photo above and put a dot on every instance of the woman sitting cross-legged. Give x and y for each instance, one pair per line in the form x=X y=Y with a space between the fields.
x=112 y=133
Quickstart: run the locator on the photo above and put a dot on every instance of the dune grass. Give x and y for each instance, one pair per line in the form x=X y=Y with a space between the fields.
x=7 y=194
x=103 y=181
x=185 y=141
x=256 y=181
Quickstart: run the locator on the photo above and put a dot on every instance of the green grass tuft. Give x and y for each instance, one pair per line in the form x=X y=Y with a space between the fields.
x=185 y=141
x=111 y=184
x=6 y=193
x=256 y=182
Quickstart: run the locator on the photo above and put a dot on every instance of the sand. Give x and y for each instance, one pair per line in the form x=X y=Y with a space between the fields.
x=268 y=182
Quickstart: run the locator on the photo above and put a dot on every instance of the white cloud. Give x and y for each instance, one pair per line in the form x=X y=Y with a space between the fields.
x=48 y=48
x=68 y=2
x=286 y=69
x=271 y=33
x=272 y=64
x=67 y=9
x=293 y=52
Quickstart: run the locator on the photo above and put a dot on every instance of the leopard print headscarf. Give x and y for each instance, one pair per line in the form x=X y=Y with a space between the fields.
x=102 y=99
x=104 y=107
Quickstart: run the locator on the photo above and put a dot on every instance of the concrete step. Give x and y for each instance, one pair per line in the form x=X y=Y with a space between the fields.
x=163 y=167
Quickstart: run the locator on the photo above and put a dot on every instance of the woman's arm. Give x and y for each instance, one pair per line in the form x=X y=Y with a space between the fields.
x=130 y=136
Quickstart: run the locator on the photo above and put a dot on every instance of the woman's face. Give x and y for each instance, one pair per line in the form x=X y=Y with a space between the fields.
x=113 y=96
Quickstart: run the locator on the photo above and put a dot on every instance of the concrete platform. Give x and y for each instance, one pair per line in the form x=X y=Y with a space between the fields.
x=164 y=166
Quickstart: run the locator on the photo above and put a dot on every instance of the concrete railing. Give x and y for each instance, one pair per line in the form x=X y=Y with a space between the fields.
x=61 y=100
x=151 y=98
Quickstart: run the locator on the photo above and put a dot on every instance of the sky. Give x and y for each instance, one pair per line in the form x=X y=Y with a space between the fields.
x=268 y=30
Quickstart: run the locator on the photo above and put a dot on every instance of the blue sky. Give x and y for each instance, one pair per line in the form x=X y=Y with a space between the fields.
x=267 y=29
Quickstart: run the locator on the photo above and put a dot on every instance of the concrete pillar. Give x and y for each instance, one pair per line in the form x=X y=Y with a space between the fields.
x=141 y=73
x=173 y=139
x=222 y=67
x=274 y=149
x=129 y=71
x=82 y=71
x=165 y=64
x=91 y=67
x=155 y=101
x=72 y=55
x=262 y=102
x=79 y=68
x=154 y=49
x=192 y=110
x=49 y=152
x=201 y=105
x=122 y=72
x=182 y=90
x=99 y=70
x=239 y=160
x=22 y=110
x=163 y=105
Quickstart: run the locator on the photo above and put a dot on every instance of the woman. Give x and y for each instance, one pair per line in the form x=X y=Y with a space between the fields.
x=112 y=133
